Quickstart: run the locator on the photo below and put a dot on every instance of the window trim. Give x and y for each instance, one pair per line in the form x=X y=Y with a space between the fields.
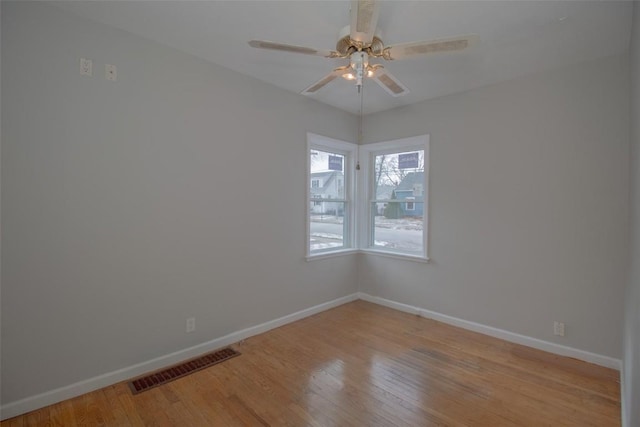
x=410 y=201
x=367 y=153
x=350 y=153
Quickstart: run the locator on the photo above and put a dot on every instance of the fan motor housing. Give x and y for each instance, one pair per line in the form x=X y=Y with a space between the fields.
x=346 y=46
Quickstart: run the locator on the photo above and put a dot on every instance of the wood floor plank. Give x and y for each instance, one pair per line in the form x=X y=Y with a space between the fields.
x=361 y=364
x=60 y=415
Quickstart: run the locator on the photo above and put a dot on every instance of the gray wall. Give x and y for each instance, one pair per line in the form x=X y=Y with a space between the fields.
x=130 y=206
x=631 y=356
x=529 y=184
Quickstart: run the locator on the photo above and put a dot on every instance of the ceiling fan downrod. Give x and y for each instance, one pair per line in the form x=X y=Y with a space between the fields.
x=359 y=62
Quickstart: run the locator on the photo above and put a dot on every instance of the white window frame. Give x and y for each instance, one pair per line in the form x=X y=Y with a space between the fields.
x=367 y=155
x=350 y=152
x=410 y=201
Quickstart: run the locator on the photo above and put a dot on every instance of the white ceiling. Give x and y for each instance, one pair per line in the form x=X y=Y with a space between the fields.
x=516 y=38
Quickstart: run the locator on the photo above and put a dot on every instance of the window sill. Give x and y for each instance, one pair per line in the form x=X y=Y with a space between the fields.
x=395 y=255
x=331 y=254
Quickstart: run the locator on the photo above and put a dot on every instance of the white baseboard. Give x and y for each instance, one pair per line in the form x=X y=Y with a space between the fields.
x=598 y=359
x=28 y=404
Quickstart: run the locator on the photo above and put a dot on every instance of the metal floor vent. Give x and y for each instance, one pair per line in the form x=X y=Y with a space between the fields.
x=173 y=373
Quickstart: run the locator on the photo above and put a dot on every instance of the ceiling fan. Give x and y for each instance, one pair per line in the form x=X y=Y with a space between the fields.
x=360 y=42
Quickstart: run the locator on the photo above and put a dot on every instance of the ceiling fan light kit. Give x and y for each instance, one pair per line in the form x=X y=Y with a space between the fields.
x=360 y=42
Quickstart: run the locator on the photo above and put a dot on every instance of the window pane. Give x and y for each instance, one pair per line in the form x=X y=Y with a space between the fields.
x=327 y=175
x=327 y=225
x=398 y=175
x=397 y=215
x=397 y=227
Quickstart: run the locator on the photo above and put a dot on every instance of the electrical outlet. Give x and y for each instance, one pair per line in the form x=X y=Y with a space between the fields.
x=191 y=324
x=110 y=72
x=558 y=328
x=86 y=67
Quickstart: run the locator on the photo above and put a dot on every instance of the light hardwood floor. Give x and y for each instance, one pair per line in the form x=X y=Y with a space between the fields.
x=363 y=365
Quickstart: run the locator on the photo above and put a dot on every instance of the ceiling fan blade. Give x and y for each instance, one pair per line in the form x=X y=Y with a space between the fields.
x=408 y=50
x=263 y=44
x=325 y=80
x=389 y=83
x=364 y=18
